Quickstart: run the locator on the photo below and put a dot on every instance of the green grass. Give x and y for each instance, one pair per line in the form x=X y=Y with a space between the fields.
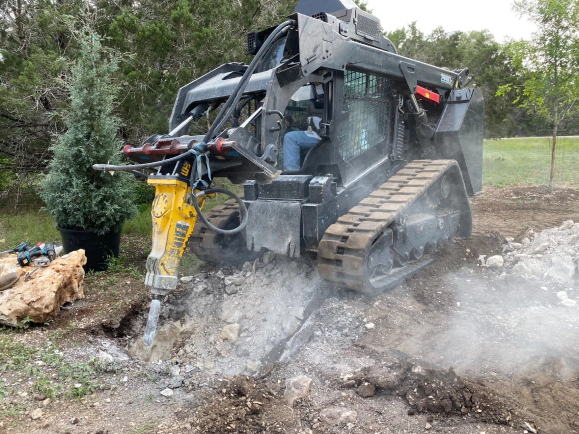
x=141 y=224
x=55 y=377
x=527 y=161
x=30 y=226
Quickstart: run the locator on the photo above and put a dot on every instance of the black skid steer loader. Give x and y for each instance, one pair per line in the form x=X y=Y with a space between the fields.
x=345 y=149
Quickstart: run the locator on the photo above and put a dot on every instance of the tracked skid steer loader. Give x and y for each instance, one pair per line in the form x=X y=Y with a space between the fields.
x=345 y=149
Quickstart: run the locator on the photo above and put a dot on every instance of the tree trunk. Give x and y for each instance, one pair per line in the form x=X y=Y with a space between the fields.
x=553 y=148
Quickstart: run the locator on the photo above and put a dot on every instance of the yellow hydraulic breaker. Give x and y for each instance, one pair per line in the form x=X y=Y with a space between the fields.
x=173 y=221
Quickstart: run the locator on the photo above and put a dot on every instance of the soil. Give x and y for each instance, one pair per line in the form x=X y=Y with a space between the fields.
x=457 y=348
x=511 y=210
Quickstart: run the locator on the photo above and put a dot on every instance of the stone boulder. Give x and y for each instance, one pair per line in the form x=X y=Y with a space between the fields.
x=296 y=388
x=47 y=290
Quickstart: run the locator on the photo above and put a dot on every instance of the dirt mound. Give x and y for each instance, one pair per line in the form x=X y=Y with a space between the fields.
x=429 y=390
x=509 y=210
x=511 y=346
x=243 y=405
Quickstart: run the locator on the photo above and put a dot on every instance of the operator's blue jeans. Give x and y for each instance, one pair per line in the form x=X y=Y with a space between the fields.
x=293 y=143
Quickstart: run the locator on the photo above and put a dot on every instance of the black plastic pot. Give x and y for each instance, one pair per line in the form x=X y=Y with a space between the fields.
x=97 y=248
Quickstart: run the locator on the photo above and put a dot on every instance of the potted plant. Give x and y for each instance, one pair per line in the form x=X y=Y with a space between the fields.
x=89 y=207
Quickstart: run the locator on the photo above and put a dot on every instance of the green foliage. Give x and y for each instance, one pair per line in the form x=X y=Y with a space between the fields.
x=363 y=4
x=489 y=65
x=121 y=265
x=44 y=385
x=68 y=379
x=144 y=193
x=33 y=38
x=75 y=195
x=548 y=65
x=175 y=42
x=13 y=355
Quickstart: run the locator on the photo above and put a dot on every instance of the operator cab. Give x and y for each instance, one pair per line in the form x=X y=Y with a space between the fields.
x=303 y=117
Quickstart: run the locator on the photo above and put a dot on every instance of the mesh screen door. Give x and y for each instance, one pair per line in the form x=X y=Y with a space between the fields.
x=367 y=100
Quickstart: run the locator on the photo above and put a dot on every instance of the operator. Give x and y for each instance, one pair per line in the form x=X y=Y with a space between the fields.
x=305 y=128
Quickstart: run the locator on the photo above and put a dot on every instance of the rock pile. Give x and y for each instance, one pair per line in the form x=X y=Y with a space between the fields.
x=234 y=321
x=550 y=257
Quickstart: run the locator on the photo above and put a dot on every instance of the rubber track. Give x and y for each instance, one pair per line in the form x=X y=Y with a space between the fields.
x=344 y=248
x=202 y=240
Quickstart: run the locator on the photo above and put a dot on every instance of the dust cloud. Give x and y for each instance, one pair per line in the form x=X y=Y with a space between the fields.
x=514 y=316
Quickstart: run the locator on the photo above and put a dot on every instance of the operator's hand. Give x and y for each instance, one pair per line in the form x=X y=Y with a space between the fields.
x=289 y=121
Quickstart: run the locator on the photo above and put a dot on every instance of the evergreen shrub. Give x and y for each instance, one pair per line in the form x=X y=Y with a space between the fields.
x=77 y=196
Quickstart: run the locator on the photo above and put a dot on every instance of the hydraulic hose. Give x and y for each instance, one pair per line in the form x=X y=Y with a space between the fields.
x=242 y=211
x=233 y=100
x=132 y=167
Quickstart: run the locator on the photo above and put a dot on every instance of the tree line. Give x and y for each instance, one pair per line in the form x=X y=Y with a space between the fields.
x=164 y=44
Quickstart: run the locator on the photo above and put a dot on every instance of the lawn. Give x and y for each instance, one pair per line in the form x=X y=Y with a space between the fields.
x=527 y=161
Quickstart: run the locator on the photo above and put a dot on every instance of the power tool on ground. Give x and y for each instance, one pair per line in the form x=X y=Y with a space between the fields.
x=22 y=247
x=42 y=254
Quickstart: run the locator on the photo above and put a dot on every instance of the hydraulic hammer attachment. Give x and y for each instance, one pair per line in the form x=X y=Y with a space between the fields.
x=173 y=221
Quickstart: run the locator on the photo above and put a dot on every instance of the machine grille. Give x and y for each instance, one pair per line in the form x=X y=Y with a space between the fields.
x=252 y=43
x=322 y=16
x=368 y=27
x=366 y=98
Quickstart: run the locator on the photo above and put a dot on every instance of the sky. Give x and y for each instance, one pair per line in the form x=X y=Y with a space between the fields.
x=493 y=15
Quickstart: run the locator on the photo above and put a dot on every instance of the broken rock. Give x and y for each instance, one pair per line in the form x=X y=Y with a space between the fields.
x=495 y=262
x=521 y=270
x=167 y=393
x=36 y=414
x=162 y=346
x=541 y=249
x=230 y=314
x=253 y=366
x=297 y=387
x=562 y=269
x=105 y=357
x=366 y=390
x=48 y=289
x=230 y=333
x=566 y=225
